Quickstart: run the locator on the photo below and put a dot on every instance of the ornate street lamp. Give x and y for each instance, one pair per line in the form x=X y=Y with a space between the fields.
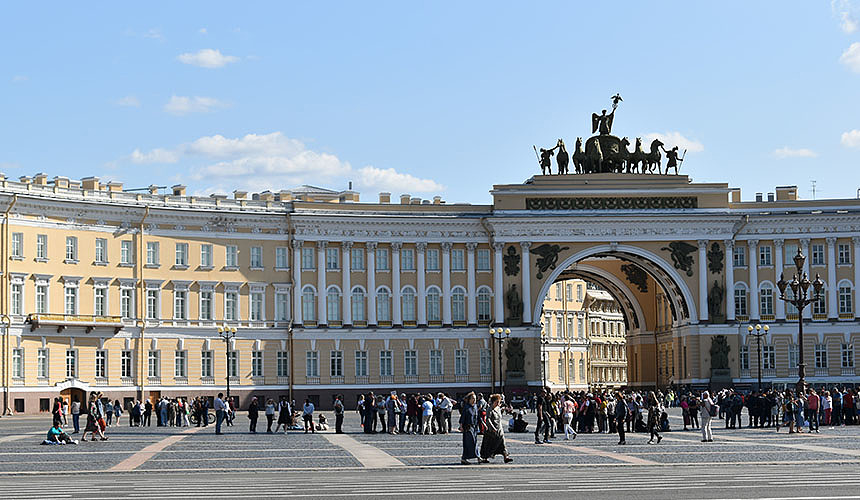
x=499 y=335
x=227 y=333
x=759 y=333
x=544 y=340
x=800 y=299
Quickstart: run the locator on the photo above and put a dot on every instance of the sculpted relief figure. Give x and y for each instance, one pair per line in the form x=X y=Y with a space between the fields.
x=516 y=355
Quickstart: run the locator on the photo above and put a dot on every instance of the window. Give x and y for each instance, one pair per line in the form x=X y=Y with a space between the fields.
x=458 y=262
x=817 y=255
x=461 y=362
x=766 y=299
x=42 y=246
x=793 y=355
x=257 y=363
x=790 y=250
x=436 y=367
x=17 y=298
x=820 y=306
x=739 y=256
x=18 y=363
x=357 y=259
x=407 y=259
x=181 y=255
x=332 y=259
x=382 y=259
x=741 y=301
x=308 y=304
x=765 y=256
x=233 y=364
x=179 y=304
x=17 y=249
x=570 y=327
x=847 y=355
x=745 y=357
x=101 y=251
x=483 y=255
x=458 y=304
x=180 y=364
x=581 y=369
x=71 y=363
x=484 y=304
x=336 y=363
x=282 y=260
x=768 y=357
x=283 y=364
x=256 y=257
x=432 y=259
x=153 y=364
x=383 y=305
x=231 y=257
x=558 y=295
x=206 y=364
x=100 y=304
x=357 y=304
x=257 y=300
x=71 y=299
x=206 y=305
x=844 y=253
x=486 y=362
x=231 y=305
x=307 y=259
x=845 y=300
x=410 y=363
x=407 y=304
x=821 y=355
x=126 y=253
x=126 y=302
x=559 y=325
x=125 y=364
x=360 y=363
x=72 y=249
x=561 y=369
x=580 y=327
x=152 y=301
x=386 y=363
x=434 y=303
x=206 y=255
x=42 y=363
x=571 y=373
x=152 y=253
x=568 y=289
x=281 y=305
x=332 y=304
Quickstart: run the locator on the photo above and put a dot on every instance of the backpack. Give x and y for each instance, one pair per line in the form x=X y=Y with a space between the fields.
x=712 y=410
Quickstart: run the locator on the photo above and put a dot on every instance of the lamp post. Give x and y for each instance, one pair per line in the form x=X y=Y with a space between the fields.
x=499 y=335
x=800 y=299
x=544 y=340
x=759 y=333
x=227 y=333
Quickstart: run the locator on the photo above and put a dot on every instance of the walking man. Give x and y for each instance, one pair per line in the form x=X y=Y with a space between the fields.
x=338 y=415
x=220 y=408
x=620 y=416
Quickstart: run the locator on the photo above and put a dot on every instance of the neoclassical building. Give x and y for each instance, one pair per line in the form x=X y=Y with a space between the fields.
x=124 y=292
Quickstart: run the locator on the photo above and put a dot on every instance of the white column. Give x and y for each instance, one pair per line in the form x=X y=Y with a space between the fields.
x=804 y=248
x=703 y=280
x=779 y=265
x=471 y=297
x=446 y=284
x=856 y=241
x=371 y=283
x=346 y=270
x=730 y=280
x=395 y=284
x=753 y=282
x=526 y=292
x=832 y=290
x=321 y=283
x=297 y=281
x=498 y=283
x=420 y=248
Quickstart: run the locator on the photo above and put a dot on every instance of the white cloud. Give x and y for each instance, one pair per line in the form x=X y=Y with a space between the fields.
x=181 y=105
x=391 y=180
x=157 y=155
x=787 y=152
x=846 y=11
x=128 y=101
x=207 y=58
x=851 y=57
x=671 y=139
x=851 y=139
x=20 y=78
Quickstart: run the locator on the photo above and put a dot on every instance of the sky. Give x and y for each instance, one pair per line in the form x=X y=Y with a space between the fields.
x=425 y=98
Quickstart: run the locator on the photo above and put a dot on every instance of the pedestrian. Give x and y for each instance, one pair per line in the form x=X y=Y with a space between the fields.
x=493 y=442
x=392 y=407
x=92 y=425
x=76 y=414
x=620 y=416
x=284 y=415
x=654 y=411
x=469 y=428
x=220 y=409
x=426 y=415
x=253 y=413
x=65 y=411
x=569 y=409
x=270 y=415
x=117 y=411
x=147 y=414
x=370 y=414
x=338 y=415
x=308 y=416
x=57 y=412
x=543 y=423
x=708 y=412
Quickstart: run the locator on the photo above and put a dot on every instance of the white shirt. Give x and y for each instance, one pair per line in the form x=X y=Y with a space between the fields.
x=219 y=405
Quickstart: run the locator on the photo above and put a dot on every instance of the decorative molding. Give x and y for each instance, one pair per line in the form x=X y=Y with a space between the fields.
x=613 y=203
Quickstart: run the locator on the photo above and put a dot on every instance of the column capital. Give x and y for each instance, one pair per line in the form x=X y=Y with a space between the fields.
x=855 y=240
x=778 y=243
x=471 y=246
x=804 y=242
x=347 y=245
x=525 y=245
x=831 y=240
x=752 y=243
x=322 y=245
x=729 y=244
x=446 y=246
x=703 y=244
x=421 y=246
x=371 y=245
x=396 y=246
x=297 y=243
x=498 y=246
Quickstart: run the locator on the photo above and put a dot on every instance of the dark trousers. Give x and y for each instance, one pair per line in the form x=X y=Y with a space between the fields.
x=836 y=415
x=338 y=423
x=269 y=420
x=253 y=426
x=76 y=421
x=619 y=424
x=147 y=419
x=219 y=417
x=542 y=426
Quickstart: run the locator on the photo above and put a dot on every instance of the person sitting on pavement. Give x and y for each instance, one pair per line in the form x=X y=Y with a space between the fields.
x=57 y=436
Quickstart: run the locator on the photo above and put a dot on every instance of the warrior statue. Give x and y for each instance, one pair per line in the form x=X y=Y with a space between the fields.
x=602 y=122
x=672 y=160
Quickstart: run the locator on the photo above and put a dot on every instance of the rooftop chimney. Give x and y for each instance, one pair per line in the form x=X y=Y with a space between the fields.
x=114 y=187
x=153 y=189
x=437 y=200
x=769 y=196
x=240 y=195
x=40 y=179
x=786 y=193
x=404 y=199
x=416 y=201
x=90 y=183
x=384 y=197
x=178 y=190
x=758 y=197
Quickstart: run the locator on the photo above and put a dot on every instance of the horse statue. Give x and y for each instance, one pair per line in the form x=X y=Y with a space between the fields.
x=562 y=158
x=579 y=158
x=636 y=157
x=653 y=157
x=594 y=156
x=625 y=155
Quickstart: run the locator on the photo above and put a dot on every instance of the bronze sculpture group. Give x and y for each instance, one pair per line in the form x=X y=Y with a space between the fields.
x=606 y=153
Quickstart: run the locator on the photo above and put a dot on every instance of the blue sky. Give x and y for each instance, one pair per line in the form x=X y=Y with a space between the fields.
x=425 y=98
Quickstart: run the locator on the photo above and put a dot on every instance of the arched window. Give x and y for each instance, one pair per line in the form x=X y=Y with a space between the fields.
x=766 y=299
x=332 y=304
x=383 y=305
x=434 y=303
x=820 y=305
x=741 y=300
x=357 y=304
x=484 y=305
x=846 y=298
x=407 y=303
x=308 y=304
x=458 y=304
